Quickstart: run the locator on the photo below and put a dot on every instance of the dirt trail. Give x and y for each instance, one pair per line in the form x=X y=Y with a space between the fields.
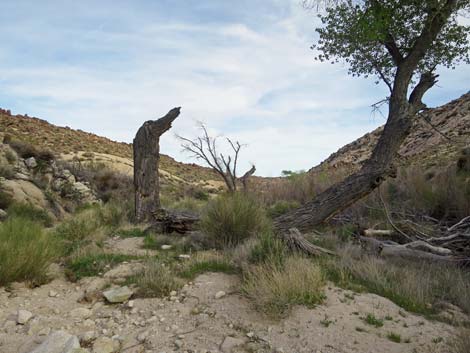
x=193 y=320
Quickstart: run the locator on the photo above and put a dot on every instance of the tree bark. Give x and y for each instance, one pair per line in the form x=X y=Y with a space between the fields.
x=146 y=160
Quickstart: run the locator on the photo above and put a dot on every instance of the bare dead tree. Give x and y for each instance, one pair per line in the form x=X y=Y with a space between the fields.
x=205 y=148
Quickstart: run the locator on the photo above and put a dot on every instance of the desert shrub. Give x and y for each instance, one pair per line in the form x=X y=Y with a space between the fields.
x=7 y=171
x=281 y=207
x=111 y=215
x=275 y=290
x=230 y=219
x=5 y=199
x=28 y=211
x=80 y=230
x=10 y=156
x=156 y=280
x=26 y=251
x=268 y=249
x=206 y=262
x=412 y=285
x=188 y=204
x=92 y=264
x=26 y=150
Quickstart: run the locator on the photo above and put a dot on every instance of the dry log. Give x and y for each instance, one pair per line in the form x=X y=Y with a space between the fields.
x=296 y=242
x=377 y=232
x=422 y=245
x=169 y=221
x=146 y=159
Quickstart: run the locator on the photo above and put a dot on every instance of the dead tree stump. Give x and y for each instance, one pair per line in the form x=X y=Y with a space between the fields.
x=146 y=159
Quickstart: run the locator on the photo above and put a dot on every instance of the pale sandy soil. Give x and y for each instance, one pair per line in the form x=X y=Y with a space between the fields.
x=195 y=321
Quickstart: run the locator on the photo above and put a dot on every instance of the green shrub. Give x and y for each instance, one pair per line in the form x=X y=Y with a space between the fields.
x=275 y=290
x=156 y=280
x=370 y=319
x=268 y=249
x=281 y=207
x=93 y=264
x=27 y=211
x=415 y=286
x=26 y=251
x=206 y=262
x=10 y=156
x=230 y=219
x=131 y=233
x=188 y=204
x=7 y=171
x=394 y=337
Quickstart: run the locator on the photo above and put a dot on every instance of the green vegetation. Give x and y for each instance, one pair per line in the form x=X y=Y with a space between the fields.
x=281 y=207
x=411 y=285
x=373 y=321
x=230 y=219
x=206 y=262
x=274 y=291
x=131 y=233
x=156 y=280
x=394 y=337
x=27 y=211
x=93 y=264
x=26 y=251
x=268 y=249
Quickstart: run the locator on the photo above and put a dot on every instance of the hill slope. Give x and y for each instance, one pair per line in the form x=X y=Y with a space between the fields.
x=435 y=138
x=80 y=144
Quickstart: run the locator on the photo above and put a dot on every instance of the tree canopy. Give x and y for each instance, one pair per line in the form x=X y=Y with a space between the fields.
x=375 y=36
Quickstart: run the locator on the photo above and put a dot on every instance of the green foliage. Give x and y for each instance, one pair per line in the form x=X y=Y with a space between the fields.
x=26 y=251
x=359 y=33
x=26 y=150
x=93 y=264
x=7 y=171
x=275 y=290
x=188 y=204
x=131 y=233
x=416 y=287
x=230 y=219
x=370 y=319
x=281 y=207
x=206 y=262
x=268 y=249
x=27 y=211
x=394 y=337
x=156 y=280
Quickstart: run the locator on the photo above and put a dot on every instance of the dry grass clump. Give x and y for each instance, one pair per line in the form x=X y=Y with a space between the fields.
x=26 y=150
x=415 y=286
x=26 y=251
x=207 y=261
x=460 y=342
x=230 y=219
x=275 y=290
x=156 y=280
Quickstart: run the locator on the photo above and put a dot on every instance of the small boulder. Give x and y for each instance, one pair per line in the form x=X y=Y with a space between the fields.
x=104 y=345
x=31 y=162
x=118 y=295
x=23 y=316
x=81 y=313
x=58 y=342
x=220 y=294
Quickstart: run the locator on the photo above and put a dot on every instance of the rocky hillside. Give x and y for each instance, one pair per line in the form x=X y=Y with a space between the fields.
x=438 y=136
x=72 y=143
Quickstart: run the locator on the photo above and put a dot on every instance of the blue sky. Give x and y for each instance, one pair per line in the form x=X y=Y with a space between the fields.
x=244 y=68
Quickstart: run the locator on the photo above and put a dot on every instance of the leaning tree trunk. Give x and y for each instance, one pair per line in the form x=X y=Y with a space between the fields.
x=146 y=159
x=354 y=187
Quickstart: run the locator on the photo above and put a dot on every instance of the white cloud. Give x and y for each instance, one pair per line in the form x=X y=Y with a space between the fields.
x=255 y=81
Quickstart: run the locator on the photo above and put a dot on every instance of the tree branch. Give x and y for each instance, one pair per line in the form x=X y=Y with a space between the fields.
x=426 y=81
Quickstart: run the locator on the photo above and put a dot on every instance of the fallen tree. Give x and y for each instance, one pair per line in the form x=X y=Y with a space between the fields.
x=401 y=43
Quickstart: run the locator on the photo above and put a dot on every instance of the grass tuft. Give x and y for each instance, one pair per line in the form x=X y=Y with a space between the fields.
x=26 y=251
x=230 y=219
x=206 y=262
x=274 y=291
x=394 y=337
x=370 y=319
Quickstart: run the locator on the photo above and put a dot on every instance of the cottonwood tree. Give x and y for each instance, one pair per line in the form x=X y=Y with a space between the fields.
x=402 y=43
x=205 y=148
